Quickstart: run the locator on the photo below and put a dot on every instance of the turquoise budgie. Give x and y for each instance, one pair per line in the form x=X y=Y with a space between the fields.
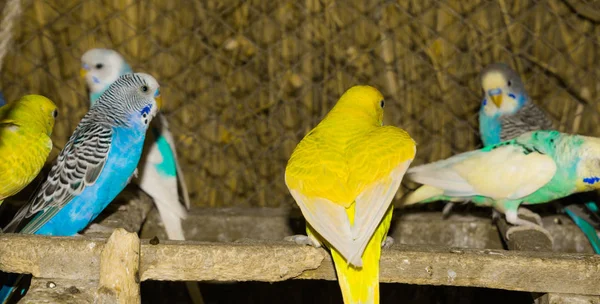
x=512 y=113
x=95 y=164
x=160 y=173
x=536 y=167
x=161 y=176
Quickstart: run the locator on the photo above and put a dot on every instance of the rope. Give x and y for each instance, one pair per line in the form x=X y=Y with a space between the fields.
x=12 y=11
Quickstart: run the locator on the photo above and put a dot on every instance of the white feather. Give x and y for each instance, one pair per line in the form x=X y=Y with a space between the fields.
x=502 y=173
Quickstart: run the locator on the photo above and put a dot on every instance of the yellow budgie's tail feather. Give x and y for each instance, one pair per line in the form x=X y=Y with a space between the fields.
x=421 y=194
x=1 y=201
x=360 y=285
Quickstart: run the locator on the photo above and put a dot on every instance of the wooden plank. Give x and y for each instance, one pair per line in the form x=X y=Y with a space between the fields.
x=77 y=258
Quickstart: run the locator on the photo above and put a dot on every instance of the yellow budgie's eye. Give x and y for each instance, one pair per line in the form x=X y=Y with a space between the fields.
x=55 y=113
x=382 y=103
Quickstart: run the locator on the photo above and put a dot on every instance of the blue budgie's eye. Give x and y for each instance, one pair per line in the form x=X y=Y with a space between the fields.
x=144 y=88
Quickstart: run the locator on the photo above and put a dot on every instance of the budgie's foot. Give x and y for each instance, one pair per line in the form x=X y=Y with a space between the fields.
x=303 y=240
x=387 y=243
x=513 y=229
x=97 y=228
x=447 y=209
x=528 y=213
x=520 y=224
x=496 y=215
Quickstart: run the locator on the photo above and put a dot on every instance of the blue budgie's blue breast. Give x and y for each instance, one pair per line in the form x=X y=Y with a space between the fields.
x=489 y=128
x=123 y=158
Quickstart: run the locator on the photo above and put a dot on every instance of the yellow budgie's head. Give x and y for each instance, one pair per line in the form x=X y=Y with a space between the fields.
x=34 y=111
x=365 y=100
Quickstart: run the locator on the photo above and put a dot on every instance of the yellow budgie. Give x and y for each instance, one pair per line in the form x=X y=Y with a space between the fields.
x=25 y=129
x=344 y=175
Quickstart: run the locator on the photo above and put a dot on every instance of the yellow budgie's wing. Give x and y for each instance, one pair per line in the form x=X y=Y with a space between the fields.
x=504 y=172
x=379 y=162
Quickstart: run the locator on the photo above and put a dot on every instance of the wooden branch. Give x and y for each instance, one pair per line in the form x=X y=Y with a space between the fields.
x=119 y=269
x=78 y=258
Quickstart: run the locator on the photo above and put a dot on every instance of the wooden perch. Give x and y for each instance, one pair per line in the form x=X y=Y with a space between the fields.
x=119 y=269
x=78 y=258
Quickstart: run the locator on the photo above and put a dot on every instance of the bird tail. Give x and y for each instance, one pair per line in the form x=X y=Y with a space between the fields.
x=1 y=201
x=172 y=215
x=423 y=194
x=360 y=285
x=575 y=212
x=11 y=284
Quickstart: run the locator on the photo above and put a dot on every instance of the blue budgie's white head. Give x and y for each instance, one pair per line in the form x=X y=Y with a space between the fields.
x=132 y=100
x=504 y=92
x=100 y=68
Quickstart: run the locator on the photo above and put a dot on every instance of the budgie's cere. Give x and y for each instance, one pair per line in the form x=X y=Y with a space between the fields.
x=344 y=175
x=536 y=167
x=25 y=129
x=506 y=109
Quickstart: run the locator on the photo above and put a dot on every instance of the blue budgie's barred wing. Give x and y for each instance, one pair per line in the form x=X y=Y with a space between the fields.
x=78 y=165
x=529 y=118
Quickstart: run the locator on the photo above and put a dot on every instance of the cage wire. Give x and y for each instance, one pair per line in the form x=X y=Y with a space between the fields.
x=243 y=81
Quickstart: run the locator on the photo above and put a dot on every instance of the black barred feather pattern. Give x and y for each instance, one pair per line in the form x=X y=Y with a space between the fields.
x=81 y=161
x=529 y=118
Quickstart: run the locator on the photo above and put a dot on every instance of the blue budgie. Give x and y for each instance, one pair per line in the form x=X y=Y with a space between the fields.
x=160 y=174
x=507 y=112
x=95 y=164
x=536 y=167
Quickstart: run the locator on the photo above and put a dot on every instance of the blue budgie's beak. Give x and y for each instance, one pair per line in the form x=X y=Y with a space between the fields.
x=496 y=96
x=158 y=98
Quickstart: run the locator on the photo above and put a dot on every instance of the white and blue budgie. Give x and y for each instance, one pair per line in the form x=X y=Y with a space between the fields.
x=160 y=174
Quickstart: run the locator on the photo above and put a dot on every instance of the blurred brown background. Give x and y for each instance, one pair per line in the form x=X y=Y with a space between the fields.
x=243 y=81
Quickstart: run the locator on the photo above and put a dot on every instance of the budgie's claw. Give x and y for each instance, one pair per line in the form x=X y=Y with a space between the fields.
x=447 y=209
x=387 y=243
x=513 y=229
x=528 y=213
x=302 y=240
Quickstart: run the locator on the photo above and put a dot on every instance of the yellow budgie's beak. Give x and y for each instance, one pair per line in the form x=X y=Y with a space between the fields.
x=496 y=96
x=83 y=72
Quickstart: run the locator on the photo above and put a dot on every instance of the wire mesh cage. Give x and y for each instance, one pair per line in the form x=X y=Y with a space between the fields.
x=245 y=80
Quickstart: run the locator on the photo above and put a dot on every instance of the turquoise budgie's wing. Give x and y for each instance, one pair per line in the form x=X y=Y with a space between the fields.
x=507 y=171
x=78 y=165
x=169 y=138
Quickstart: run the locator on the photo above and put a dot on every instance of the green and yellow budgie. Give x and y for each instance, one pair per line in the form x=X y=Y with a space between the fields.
x=343 y=176
x=25 y=129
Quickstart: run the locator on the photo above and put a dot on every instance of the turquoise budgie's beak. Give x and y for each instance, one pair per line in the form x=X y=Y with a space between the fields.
x=84 y=70
x=158 y=98
x=496 y=96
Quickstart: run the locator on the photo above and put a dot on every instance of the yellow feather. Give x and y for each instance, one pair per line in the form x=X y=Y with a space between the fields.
x=344 y=175
x=25 y=129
